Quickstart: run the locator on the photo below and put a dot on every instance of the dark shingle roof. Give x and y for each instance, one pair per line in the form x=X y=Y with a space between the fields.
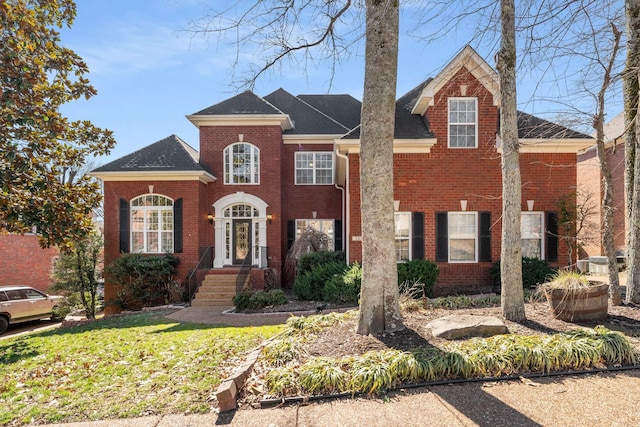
x=408 y=126
x=244 y=103
x=341 y=108
x=168 y=154
x=536 y=128
x=306 y=119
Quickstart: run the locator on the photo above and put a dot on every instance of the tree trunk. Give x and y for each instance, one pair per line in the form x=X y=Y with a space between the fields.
x=511 y=250
x=632 y=162
x=379 y=305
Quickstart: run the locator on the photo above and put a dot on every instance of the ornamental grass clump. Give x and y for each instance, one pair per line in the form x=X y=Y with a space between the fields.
x=567 y=279
x=322 y=375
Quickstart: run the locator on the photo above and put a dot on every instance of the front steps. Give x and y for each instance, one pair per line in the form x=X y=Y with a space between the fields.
x=217 y=290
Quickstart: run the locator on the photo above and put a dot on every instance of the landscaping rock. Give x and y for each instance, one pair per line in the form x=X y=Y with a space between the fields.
x=466 y=325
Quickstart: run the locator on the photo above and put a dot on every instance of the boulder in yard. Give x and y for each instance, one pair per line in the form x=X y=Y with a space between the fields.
x=466 y=325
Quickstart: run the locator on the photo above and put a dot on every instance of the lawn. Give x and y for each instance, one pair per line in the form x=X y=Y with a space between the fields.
x=122 y=367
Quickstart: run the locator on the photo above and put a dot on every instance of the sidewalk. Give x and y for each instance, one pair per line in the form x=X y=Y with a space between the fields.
x=588 y=400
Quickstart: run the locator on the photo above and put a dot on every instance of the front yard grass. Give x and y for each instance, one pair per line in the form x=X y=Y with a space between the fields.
x=127 y=366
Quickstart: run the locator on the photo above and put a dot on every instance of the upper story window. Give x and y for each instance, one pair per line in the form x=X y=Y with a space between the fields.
x=152 y=224
x=242 y=164
x=532 y=233
x=463 y=236
x=463 y=122
x=314 y=168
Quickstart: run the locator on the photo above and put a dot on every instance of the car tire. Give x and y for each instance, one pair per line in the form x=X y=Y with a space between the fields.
x=55 y=317
x=4 y=324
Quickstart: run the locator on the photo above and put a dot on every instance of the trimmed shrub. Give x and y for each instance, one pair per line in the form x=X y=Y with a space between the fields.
x=144 y=280
x=256 y=300
x=345 y=288
x=312 y=260
x=534 y=272
x=310 y=285
x=416 y=271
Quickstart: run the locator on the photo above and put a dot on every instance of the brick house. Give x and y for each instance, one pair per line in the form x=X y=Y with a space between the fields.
x=590 y=186
x=269 y=167
x=24 y=262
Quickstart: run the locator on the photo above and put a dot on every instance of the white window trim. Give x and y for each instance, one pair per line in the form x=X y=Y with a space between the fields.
x=476 y=237
x=295 y=167
x=145 y=232
x=542 y=230
x=228 y=160
x=319 y=220
x=408 y=237
x=449 y=123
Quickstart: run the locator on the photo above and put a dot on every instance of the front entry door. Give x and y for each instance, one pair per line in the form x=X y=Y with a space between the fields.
x=241 y=240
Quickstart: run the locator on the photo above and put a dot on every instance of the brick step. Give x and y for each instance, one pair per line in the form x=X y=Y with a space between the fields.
x=215 y=294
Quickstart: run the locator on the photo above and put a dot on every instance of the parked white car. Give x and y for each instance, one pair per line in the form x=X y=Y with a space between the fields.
x=22 y=303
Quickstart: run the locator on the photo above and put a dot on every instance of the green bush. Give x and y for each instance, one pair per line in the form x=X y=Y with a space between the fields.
x=534 y=272
x=256 y=300
x=144 y=280
x=310 y=285
x=345 y=288
x=418 y=271
x=312 y=260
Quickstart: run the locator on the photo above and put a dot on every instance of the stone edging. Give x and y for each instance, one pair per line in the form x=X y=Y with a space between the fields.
x=232 y=313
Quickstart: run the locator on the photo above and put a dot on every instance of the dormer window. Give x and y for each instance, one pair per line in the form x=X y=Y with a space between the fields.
x=242 y=164
x=463 y=122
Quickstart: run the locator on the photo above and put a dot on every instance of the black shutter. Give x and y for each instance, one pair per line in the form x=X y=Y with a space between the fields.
x=551 y=244
x=442 y=237
x=485 y=237
x=337 y=232
x=417 y=235
x=124 y=226
x=177 y=226
x=291 y=233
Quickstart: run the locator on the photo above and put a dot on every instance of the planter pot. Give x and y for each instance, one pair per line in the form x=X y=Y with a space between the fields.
x=579 y=305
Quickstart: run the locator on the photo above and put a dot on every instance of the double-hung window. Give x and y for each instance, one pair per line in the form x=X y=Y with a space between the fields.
x=314 y=167
x=463 y=122
x=403 y=236
x=463 y=236
x=241 y=164
x=532 y=233
x=324 y=235
x=152 y=224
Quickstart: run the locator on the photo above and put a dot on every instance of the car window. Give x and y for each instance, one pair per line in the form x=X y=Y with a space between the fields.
x=3 y=296
x=33 y=294
x=16 y=294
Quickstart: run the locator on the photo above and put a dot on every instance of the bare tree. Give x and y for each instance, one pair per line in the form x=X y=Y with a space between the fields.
x=631 y=84
x=379 y=306
x=512 y=299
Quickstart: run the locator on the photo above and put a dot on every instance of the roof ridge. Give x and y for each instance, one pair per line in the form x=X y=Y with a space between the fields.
x=195 y=154
x=327 y=116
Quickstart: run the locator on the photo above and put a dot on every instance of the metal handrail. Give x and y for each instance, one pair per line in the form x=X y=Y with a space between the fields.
x=198 y=266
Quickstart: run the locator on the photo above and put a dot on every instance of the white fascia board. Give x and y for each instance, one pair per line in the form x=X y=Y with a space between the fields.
x=309 y=139
x=543 y=145
x=282 y=120
x=473 y=62
x=204 y=177
x=352 y=146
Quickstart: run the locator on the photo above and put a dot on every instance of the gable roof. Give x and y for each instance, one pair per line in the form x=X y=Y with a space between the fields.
x=169 y=155
x=342 y=108
x=532 y=127
x=306 y=119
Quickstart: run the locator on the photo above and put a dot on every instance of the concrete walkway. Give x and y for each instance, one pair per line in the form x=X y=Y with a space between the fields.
x=587 y=400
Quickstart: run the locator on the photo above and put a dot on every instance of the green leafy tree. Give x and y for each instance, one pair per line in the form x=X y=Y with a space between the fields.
x=42 y=151
x=79 y=270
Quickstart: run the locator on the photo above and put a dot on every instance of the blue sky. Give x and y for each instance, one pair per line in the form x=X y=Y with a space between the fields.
x=150 y=73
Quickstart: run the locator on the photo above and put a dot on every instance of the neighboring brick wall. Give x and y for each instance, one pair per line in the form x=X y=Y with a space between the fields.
x=24 y=262
x=590 y=182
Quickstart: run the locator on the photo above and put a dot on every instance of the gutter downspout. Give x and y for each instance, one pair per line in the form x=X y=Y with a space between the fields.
x=345 y=204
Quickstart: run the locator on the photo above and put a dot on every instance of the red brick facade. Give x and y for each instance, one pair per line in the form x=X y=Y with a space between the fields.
x=426 y=183
x=24 y=262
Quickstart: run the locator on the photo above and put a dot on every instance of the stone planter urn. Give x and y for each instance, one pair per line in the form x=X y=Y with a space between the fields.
x=584 y=304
